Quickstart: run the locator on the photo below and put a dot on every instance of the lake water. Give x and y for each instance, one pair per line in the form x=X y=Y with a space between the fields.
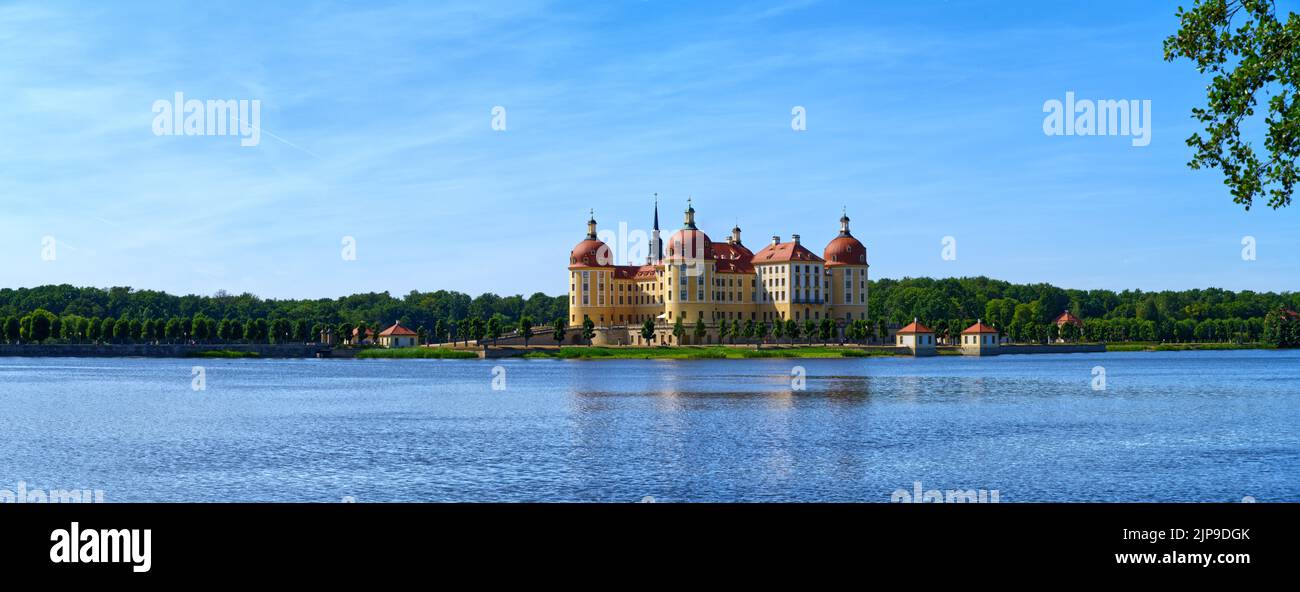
x=1176 y=426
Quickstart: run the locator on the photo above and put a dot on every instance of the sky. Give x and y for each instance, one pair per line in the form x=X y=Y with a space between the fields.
x=923 y=119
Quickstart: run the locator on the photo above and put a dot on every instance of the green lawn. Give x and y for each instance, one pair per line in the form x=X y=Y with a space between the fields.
x=705 y=352
x=1150 y=346
x=407 y=353
x=222 y=353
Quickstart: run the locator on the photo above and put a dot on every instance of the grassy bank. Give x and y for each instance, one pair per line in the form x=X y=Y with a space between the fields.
x=705 y=352
x=1126 y=347
x=222 y=353
x=410 y=353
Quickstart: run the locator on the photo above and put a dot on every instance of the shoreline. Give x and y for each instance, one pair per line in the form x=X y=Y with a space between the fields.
x=687 y=352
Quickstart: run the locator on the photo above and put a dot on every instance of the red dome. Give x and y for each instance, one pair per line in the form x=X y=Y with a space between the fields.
x=591 y=253
x=845 y=250
x=689 y=243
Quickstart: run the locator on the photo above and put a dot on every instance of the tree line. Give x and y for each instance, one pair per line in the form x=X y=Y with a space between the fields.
x=121 y=315
x=1026 y=312
x=1023 y=312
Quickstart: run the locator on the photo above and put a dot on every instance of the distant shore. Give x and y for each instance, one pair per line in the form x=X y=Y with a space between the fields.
x=550 y=351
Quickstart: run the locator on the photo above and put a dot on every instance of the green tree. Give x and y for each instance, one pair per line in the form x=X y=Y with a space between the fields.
x=809 y=330
x=173 y=330
x=679 y=330
x=751 y=329
x=280 y=331
x=791 y=329
x=42 y=321
x=588 y=330
x=1248 y=50
x=762 y=330
x=11 y=329
x=199 y=328
x=439 y=331
x=724 y=328
x=108 y=329
x=700 y=331
x=827 y=330
x=778 y=331
x=526 y=328
x=558 y=330
x=94 y=330
x=494 y=329
x=647 y=330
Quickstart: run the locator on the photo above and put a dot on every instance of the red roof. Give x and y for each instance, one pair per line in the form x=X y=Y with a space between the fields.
x=733 y=258
x=397 y=330
x=781 y=252
x=979 y=327
x=845 y=250
x=914 y=327
x=591 y=253
x=689 y=243
x=1066 y=317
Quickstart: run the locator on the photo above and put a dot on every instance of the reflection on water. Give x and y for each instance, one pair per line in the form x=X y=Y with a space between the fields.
x=1179 y=426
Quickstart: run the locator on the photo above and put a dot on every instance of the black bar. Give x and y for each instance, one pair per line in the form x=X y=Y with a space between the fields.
x=321 y=541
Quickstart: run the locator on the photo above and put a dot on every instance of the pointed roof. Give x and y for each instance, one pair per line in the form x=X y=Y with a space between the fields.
x=979 y=327
x=397 y=330
x=1066 y=317
x=913 y=328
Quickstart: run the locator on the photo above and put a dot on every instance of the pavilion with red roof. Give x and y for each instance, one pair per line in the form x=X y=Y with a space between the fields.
x=916 y=337
x=979 y=340
x=398 y=336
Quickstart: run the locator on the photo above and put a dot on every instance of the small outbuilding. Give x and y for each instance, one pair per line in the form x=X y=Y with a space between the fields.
x=980 y=340
x=397 y=336
x=916 y=337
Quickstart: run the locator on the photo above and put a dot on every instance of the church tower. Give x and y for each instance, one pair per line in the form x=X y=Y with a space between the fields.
x=656 y=247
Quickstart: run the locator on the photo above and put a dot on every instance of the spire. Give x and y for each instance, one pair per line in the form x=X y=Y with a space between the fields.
x=844 y=223
x=690 y=214
x=656 y=253
x=591 y=226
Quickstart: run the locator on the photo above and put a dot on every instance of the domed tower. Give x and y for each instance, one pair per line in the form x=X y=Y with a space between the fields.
x=591 y=275
x=846 y=260
x=688 y=273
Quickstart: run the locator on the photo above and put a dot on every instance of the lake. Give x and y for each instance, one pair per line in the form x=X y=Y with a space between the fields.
x=1169 y=426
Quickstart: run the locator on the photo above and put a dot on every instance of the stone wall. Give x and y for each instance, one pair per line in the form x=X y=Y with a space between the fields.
x=156 y=350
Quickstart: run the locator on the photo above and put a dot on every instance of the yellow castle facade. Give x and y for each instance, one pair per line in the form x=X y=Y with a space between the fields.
x=691 y=278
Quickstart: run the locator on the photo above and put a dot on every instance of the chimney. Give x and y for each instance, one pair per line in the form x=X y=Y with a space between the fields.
x=776 y=240
x=795 y=238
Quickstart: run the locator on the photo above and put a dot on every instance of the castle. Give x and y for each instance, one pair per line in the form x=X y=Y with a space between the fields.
x=691 y=278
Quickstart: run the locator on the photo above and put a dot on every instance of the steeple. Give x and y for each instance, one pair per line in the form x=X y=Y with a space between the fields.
x=844 y=223
x=591 y=226
x=690 y=215
x=656 y=246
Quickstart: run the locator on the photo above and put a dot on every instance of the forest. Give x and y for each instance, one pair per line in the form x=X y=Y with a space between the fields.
x=1023 y=311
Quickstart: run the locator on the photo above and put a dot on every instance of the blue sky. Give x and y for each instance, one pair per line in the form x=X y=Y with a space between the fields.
x=923 y=118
